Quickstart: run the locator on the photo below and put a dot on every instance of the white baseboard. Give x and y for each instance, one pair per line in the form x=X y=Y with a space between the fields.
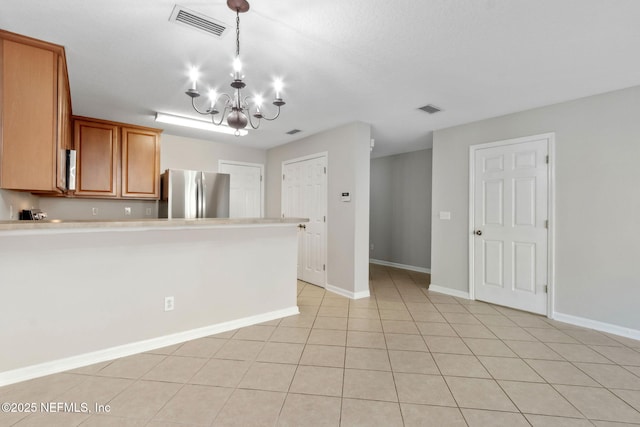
x=348 y=294
x=73 y=362
x=597 y=325
x=402 y=266
x=449 y=291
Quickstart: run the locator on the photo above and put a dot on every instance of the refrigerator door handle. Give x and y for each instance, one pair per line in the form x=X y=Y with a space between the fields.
x=203 y=199
x=199 y=195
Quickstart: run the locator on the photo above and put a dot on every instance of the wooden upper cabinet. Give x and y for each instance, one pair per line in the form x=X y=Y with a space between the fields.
x=140 y=163
x=97 y=157
x=116 y=159
x=29 y=107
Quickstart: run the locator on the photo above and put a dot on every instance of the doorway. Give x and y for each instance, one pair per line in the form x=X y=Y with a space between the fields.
x=511 y=220
x=246 y=196
x=304 y=195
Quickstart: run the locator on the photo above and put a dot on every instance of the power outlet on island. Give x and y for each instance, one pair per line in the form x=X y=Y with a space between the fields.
x=127 y=211
x=168 y=303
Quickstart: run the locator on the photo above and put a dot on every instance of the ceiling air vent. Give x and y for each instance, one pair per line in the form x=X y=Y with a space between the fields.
x=293 y=131
x=431 y=109
x=183 y=16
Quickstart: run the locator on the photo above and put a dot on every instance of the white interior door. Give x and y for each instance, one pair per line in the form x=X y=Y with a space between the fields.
x=246 y=193
x=304 y=195
x=510 y=224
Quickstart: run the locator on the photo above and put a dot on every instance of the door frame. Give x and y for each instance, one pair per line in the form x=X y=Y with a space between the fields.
x=261 y=166
x=551 y=206
x=324 y=154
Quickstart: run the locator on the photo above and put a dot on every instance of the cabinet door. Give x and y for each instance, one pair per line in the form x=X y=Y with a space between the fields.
x=97 y=159
x=140 y=163
x=28 y=152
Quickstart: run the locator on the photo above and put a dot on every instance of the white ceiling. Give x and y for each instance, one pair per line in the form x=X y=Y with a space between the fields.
x=373 y=61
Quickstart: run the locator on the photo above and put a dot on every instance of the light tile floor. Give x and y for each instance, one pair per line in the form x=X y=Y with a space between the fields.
x=404 y=356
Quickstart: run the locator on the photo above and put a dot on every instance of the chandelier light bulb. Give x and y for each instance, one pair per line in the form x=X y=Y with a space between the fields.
x=213 y=96
x=193 y=76
x=278 y=85
x=237 y=67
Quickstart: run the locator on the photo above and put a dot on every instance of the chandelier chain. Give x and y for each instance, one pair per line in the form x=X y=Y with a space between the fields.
x=237 y=33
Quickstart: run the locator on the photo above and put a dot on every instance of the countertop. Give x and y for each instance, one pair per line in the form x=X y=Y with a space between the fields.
x=79 y=226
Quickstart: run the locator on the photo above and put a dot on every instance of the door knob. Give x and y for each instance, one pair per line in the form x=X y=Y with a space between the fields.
x=302 y=226
x=479 y=232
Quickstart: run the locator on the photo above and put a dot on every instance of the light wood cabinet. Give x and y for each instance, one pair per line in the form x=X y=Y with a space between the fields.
x=97 y=157
x=116 y=160
x=140 y=163
x=35 y=110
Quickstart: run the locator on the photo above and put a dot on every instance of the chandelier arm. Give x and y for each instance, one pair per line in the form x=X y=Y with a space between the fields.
x=251 y=120
x=222 y=116
x=273 y=118
x=193 y=104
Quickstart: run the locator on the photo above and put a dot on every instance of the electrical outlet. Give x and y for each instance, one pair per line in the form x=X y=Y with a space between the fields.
x=94 y=211
x=371 y=247
x=10 y=211
x=168 y=303
x=148 y=212
x=127 y=211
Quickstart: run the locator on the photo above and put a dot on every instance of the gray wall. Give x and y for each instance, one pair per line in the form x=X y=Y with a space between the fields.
x=597 y=201
x=400 y=228
x=347 y=223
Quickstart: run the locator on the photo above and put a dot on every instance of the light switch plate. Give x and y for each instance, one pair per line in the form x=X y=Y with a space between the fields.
x=445 y=215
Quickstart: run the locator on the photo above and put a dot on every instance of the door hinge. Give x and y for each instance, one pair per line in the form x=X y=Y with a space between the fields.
x=325 y=170
x=260 y=178
x=324 y=267
x=547 y=159
x=283 y=177
x=324 y=219
x=282 y=215
x=546 y=223
x=546 y=289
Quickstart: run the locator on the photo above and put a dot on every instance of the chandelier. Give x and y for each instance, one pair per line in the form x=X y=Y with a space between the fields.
x=236 y=109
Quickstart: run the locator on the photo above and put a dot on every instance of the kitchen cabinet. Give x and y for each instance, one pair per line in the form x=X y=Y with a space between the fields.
x=97 y=156
x=140 y=163
x=35 y=109
x=116 y=160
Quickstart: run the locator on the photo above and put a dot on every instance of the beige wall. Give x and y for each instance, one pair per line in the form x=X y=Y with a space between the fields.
x=597 y=202
x=347 y=223
x=12 y=202
x=197 y=154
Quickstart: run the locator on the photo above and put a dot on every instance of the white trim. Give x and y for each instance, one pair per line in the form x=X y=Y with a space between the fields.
x=551 y=206
x=324 y=154
x=448 y=291
x=598 y=326
x=262 y=177
x=73 y=362
x=348 y=294
x=402 y=266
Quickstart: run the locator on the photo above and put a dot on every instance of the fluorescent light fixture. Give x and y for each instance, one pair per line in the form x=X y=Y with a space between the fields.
x=196 y=124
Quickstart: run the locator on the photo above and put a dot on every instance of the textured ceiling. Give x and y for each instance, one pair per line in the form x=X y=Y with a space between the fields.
x=361 y=60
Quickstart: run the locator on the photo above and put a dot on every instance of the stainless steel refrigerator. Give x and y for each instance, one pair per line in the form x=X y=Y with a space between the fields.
x=194 y=194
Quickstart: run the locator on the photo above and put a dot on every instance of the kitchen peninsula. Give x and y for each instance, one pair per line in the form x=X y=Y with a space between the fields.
x=81 y=292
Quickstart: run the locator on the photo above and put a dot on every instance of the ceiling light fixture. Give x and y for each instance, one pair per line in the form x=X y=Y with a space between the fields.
x=236 y=108
x=198 y=124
